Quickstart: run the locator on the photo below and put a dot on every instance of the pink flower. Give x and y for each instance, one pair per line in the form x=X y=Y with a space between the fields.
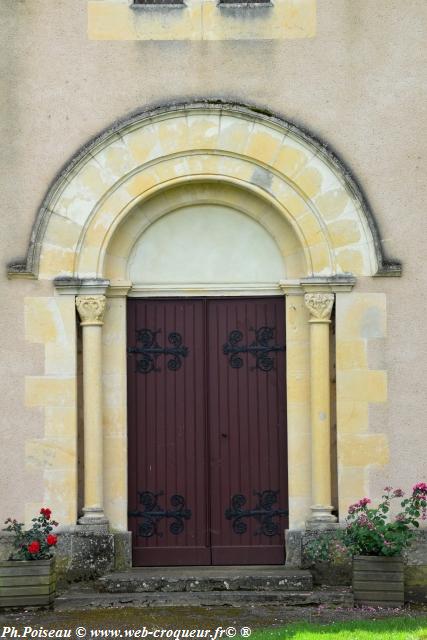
x=420 y=487
x=400 y=517
x=388 y=489
x=363 y=502
x=398 y=493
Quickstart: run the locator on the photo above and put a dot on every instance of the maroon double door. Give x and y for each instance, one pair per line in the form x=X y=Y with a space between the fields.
x=207 y=431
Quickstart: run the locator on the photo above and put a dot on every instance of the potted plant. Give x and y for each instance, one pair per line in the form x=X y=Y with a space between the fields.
x=375 y=538
x=28 y=577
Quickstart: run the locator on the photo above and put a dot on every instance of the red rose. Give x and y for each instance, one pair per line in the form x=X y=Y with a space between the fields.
x=51 y=539
x=34 y=547
x=46 y=513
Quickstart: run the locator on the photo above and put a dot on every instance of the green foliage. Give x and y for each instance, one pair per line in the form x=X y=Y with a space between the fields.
x=371 y=531
x=388 y=629
x=36 y=543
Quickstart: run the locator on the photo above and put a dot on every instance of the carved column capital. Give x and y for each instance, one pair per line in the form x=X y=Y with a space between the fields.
x=320 y=306
x=91 y=309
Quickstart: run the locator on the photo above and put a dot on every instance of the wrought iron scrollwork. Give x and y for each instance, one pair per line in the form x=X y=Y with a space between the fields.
x=263 y=513
x=149 y=350
x=152 y=513
x=260 y=348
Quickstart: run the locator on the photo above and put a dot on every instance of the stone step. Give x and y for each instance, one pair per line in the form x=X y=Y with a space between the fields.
x=341 y=597
x=204 y=579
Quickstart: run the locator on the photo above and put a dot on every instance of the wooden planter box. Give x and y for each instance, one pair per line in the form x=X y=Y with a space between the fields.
x=378 y=581
x=27 y=583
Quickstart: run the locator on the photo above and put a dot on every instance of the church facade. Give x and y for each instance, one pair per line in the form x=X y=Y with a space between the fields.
x=213 y=326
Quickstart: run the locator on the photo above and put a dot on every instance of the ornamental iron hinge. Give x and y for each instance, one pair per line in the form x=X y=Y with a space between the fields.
x=263 y=513
x=149 y=350
x=260 y=348
x=152 y=513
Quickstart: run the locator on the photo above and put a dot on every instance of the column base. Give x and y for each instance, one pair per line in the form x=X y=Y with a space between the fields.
x=93 y=516
x=321 y=518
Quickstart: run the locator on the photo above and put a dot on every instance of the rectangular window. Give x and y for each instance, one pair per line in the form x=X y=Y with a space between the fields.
x=157 y=2
x=244 y=2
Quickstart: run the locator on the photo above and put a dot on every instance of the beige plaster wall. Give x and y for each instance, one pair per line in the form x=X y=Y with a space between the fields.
x=357 y=84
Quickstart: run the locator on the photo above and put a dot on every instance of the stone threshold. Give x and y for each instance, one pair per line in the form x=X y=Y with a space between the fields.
x=206 y=579
x=78 y=599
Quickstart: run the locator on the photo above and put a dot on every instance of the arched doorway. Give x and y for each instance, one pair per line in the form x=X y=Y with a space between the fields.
x=207 y=458
x=266 y=179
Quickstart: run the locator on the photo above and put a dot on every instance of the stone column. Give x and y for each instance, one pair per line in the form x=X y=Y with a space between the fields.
x=91 y=310
x=320 y=307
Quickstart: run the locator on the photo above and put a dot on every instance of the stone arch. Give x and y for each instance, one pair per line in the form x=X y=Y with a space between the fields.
x=154 y=151
x=141 y=170
x=232 y=200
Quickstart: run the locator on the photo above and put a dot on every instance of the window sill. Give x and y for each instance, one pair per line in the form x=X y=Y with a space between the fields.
x=244 y=5
x=158 y=5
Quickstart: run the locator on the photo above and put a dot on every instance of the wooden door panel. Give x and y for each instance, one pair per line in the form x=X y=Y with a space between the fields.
x=246 y=417
x=207 y=433
x=167 y=432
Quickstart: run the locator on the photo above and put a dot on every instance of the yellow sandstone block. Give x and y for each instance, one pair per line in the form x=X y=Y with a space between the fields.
x=298 y=356
x=117 y=21
x=116 y=161
x=263 y=144
x=299 y=443
x=309 y=181
x=362 y=385
x=173 y=134
x=300 y=481
x=115 y=267
x=61 y=493
x=200 y=20
x=113 y=389
x=115 y=420
x=50 y=391
x=297 y=316
x=352 y=486
x=344 y=232
x=321 y=261
x=50 y=320
x=351 y=354
x=299 y=512
x=292 y=158
x=352 y=416
x=62 y=232
x=203 y=131
x=125 y=235
x=60 y=421
x=56 y=261
x=41 y=320
x=60 y=359
x=298 y=387
x=351 y=261
x=311 y=229
x=234 y=133
x=356 y=450
x=143 y=143
x=52 y=453
x=141 y=182
x=332 y=203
